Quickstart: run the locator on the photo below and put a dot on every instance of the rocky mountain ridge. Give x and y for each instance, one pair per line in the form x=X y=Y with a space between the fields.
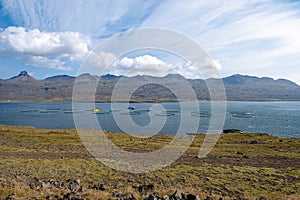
x=24 y=87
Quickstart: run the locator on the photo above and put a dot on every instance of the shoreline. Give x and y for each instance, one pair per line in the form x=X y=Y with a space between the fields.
x=149 y=101
x=160 y=134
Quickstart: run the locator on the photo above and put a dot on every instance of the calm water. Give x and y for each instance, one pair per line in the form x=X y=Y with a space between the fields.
x=275 y=118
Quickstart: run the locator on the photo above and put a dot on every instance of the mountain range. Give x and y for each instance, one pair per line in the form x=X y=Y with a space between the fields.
x=24 y=87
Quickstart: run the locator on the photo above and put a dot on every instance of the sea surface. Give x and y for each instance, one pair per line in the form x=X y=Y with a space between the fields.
x=274 y=118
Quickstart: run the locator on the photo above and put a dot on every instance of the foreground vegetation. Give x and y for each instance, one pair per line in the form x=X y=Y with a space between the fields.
x=48 y=164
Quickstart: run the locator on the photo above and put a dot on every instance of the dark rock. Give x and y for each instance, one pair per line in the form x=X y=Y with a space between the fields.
x=23 y=73
x=253 y=142
x=232 y=131
x=72 y=196
x=11 y=196
x=35 y=183
x=208 y=198
x=99 y=187
x=56 y=184
x=127 y=197
x=74 y=185
x=156 y=194
x=151 y=197
x=143 y=189
x=192 y=197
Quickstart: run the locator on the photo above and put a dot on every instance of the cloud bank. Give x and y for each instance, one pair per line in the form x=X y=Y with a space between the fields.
x=103 y=63
x=43 y=49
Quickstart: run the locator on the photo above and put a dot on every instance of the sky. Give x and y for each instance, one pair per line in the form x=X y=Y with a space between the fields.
x=51 y=37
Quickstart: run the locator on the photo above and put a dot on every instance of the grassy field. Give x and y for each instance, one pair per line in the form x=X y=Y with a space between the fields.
x=249 y=166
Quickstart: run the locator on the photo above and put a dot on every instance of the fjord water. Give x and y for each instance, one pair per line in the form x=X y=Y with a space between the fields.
x=275 y=118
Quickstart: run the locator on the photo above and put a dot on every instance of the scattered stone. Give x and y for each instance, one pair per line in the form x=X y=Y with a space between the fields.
x=151 y=197
x=156 y=194
x=36 y=184
x=74 y=185
x=177 y=195
x=6 y=184
x=192 y=197
x=56 y=184
x=143 y=189
x=166 y=197
x=127 y=197
x=11 y=196
x=72 y=196
x=100 y=187
x=208 y=198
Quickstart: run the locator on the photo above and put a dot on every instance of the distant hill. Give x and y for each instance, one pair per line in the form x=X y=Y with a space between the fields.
x=60 y=78
x=24 y=87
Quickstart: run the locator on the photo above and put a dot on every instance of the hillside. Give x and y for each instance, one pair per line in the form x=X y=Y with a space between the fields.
x=45 y=164
x=23 y=87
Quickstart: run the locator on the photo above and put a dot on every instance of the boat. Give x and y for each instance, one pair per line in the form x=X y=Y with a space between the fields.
x=131 y=108
x=101 y=112
x=242 y=114
x=95 y=110
x=142 y=110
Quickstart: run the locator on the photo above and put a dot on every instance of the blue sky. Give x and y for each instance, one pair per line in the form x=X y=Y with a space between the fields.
x=254 y=37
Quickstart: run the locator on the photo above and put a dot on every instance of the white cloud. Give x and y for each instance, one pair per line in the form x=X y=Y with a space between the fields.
x=99 y=59
x=208 y=68
x=141 y=65
x=147 y=65
x=43 y=49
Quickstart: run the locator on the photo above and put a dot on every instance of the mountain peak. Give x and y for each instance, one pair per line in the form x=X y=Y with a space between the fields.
x=174 y=76
x=23 y=73
x=23 y=76
x=109 y=76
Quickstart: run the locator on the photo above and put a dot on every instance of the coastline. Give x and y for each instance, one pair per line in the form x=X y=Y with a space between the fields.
x=147 y=101
x=241 y=165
